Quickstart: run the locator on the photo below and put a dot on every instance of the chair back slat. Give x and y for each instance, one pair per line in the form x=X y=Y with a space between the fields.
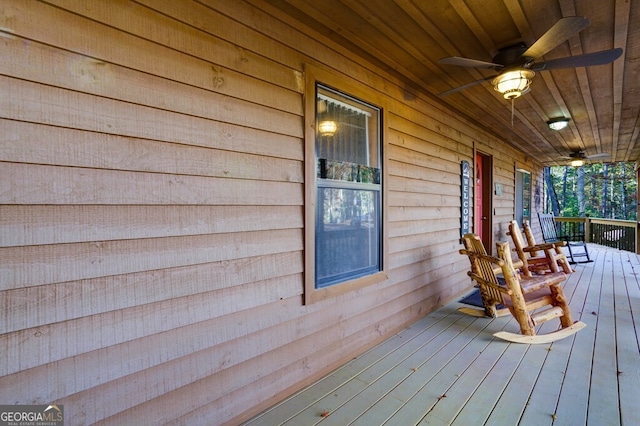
x=548 y=226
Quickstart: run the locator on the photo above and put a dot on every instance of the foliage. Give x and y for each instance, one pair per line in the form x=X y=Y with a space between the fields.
x=606 y=190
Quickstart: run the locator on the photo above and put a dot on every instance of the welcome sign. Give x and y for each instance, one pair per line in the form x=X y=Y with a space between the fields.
x=465 y=202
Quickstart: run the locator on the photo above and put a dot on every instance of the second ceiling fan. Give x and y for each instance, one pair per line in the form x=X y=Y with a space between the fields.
x=517 y=64
x=579 y=157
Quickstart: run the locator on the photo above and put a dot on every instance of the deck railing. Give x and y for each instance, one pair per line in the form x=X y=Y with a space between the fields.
x=619 y=234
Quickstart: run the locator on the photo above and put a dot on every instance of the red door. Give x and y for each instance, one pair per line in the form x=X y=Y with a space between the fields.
x=482 y=216
x=478 y=198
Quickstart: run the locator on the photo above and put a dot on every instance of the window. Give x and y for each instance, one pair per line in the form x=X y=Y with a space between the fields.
x=523 y=196
x=344 y=177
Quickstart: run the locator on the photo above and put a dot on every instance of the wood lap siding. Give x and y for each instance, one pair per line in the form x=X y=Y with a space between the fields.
x=152 y=206
x=143 y=214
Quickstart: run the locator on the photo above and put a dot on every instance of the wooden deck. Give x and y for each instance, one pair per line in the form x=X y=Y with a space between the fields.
x=448 y=369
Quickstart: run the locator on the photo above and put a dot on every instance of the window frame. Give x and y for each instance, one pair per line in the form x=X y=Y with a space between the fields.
x=521 y=196
x=316 y=76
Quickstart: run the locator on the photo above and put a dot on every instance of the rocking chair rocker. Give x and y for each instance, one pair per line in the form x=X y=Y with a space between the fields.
x=524 y=295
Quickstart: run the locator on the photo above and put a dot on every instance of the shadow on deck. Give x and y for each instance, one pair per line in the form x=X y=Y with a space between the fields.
x=448 y=368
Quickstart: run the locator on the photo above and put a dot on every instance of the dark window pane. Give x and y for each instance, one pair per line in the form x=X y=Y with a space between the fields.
x=347 y=235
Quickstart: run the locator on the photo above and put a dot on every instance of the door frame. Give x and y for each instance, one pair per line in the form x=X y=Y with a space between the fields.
x=483 y=225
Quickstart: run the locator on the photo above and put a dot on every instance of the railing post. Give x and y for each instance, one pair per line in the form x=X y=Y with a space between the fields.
x=637 y=241
x=587 y=229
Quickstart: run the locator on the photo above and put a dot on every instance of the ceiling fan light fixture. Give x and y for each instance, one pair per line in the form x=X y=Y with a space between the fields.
x=513 y=83
x=558 y=123
x=577 y=163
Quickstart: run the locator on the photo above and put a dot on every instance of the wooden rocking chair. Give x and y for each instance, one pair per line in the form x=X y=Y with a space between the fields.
x=557 y=253
x=524 y=295
x=552 y=258
x=490 y=299
x=550 y=235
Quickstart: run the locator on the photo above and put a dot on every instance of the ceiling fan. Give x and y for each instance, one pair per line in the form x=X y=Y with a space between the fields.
x=517 y=65
x=579 y=157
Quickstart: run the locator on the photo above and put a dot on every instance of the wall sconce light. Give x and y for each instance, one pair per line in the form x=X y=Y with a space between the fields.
x=558 y=123
x=327 y=128
x=513 y=83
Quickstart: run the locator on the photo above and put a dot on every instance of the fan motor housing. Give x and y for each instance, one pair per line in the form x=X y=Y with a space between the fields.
x=511 y=55
x=578 y=155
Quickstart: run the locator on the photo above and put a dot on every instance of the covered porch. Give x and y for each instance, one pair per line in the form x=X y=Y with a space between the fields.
x=447 y=368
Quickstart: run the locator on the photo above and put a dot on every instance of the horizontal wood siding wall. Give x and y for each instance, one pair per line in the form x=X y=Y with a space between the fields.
x=151 y=210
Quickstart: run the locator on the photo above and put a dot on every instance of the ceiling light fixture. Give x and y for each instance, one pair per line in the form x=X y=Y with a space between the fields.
x=513 y=83
x=558 y=123
x=327 y=128
x=577 y=163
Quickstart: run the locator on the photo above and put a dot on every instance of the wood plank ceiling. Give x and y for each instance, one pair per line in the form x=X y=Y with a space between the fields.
x=408 y=37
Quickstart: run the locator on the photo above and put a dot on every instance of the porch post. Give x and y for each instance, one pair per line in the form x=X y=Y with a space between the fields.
x=587 y=229
x=637 y=211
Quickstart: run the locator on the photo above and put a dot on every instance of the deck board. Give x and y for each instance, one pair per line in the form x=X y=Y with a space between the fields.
x=542 y=407
x=352 y=393
x=448 y=368
x=574 y=398
x=458 y=394
x=628 y=346
x=379 y=387
x=478 y=407
x=399 y=383
x=603 y=398
x=387 y=403
x=428 y=395
x=514 y=399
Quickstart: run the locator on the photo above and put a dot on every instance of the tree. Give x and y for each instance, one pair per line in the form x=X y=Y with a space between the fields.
x=599 y=190
x=551 y=191
x=623 y=190
x=564 y=185
x=605 y=188
x=580 y=192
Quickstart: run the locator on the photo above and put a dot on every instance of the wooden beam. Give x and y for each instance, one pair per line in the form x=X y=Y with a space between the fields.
x=621 y=31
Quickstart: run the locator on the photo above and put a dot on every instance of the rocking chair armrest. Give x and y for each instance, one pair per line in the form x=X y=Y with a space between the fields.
x=517 y=263
x=531 y=284
x=562 y=243
x=542 y=247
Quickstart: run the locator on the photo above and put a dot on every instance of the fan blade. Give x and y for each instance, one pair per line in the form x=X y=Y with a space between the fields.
x=466 y=86
x=561 y=31
x=600 y=155
x=466 y=62
x=586 y=60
